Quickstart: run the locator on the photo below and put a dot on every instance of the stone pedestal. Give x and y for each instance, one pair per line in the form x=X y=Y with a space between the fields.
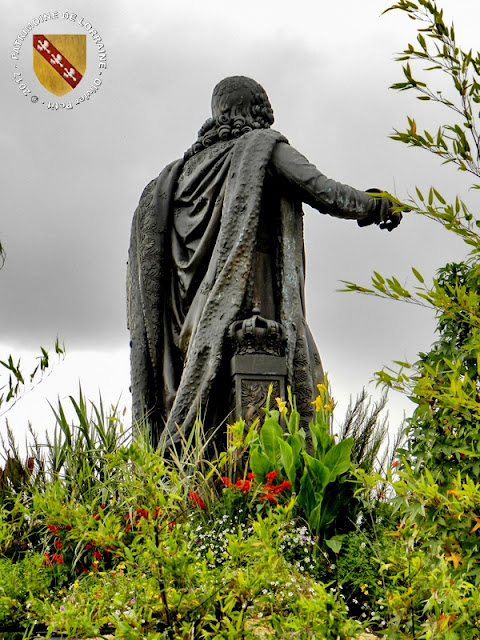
x=252 y=374
x=258 y=361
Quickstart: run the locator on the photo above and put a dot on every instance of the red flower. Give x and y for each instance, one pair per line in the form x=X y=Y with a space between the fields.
x=53 y=558
x=53 y=529
x=97 y=555
x=246 y=486
x=271 y=475
x=58 y=544
x=226 y=482
x=68 y=527
x=196 y=499
x=142 y=513
x=286 y=484
x=251 y=475
x=243 y=485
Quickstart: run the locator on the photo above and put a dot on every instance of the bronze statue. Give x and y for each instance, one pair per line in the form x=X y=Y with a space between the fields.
x=217 y=237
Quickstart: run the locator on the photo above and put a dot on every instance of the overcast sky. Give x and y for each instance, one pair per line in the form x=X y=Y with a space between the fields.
x=72 y=177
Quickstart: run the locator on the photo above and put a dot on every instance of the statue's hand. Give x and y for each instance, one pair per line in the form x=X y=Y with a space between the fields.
x=393 y=219
x=383 y=215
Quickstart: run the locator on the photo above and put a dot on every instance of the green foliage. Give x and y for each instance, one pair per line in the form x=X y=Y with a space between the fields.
x=436 y=50
x=357 y=574
x=442 y=433
x=18 y=382
x=147 y=551
x=369 y=429
x=433 y=565
x=315 y=466
x=431 y=568
x=18 y=581
x=77 y=453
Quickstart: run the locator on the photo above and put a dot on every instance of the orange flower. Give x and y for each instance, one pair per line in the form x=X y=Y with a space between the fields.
x=476 y=526
x=455 y=559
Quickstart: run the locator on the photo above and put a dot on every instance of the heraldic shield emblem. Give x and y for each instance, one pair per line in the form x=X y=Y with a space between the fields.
x=59 y=61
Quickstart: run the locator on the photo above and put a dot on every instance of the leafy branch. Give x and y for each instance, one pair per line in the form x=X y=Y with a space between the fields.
x=18 y=382
x=437 y=49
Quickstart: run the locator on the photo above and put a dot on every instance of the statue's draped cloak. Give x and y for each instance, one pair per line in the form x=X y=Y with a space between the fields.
x=190 y=274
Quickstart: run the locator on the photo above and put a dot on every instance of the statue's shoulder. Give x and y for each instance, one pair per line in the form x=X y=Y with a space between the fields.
x=169 y=173
x=147 y=192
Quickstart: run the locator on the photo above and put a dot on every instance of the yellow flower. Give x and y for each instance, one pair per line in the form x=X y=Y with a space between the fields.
x=330 y=406
x=318 y=402
x=321 y=388
x=364 y=589
x=282 y=406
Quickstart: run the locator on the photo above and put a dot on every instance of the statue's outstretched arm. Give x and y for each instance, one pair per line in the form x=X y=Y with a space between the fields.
x=327 y=195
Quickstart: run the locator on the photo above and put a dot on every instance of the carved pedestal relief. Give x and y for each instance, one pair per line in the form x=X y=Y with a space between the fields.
x=258 y=362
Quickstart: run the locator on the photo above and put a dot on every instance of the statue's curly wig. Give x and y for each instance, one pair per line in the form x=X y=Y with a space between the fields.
x=239 y=104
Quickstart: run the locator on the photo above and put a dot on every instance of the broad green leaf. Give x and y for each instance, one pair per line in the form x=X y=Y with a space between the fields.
x=306 y=495
x=322 y=440
x=335 y=543
x=270 y=434
x=337 y=459
x=318 y=472
x=259 y=462
x=297 y=443
x=287 y=459
x=315 y=515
